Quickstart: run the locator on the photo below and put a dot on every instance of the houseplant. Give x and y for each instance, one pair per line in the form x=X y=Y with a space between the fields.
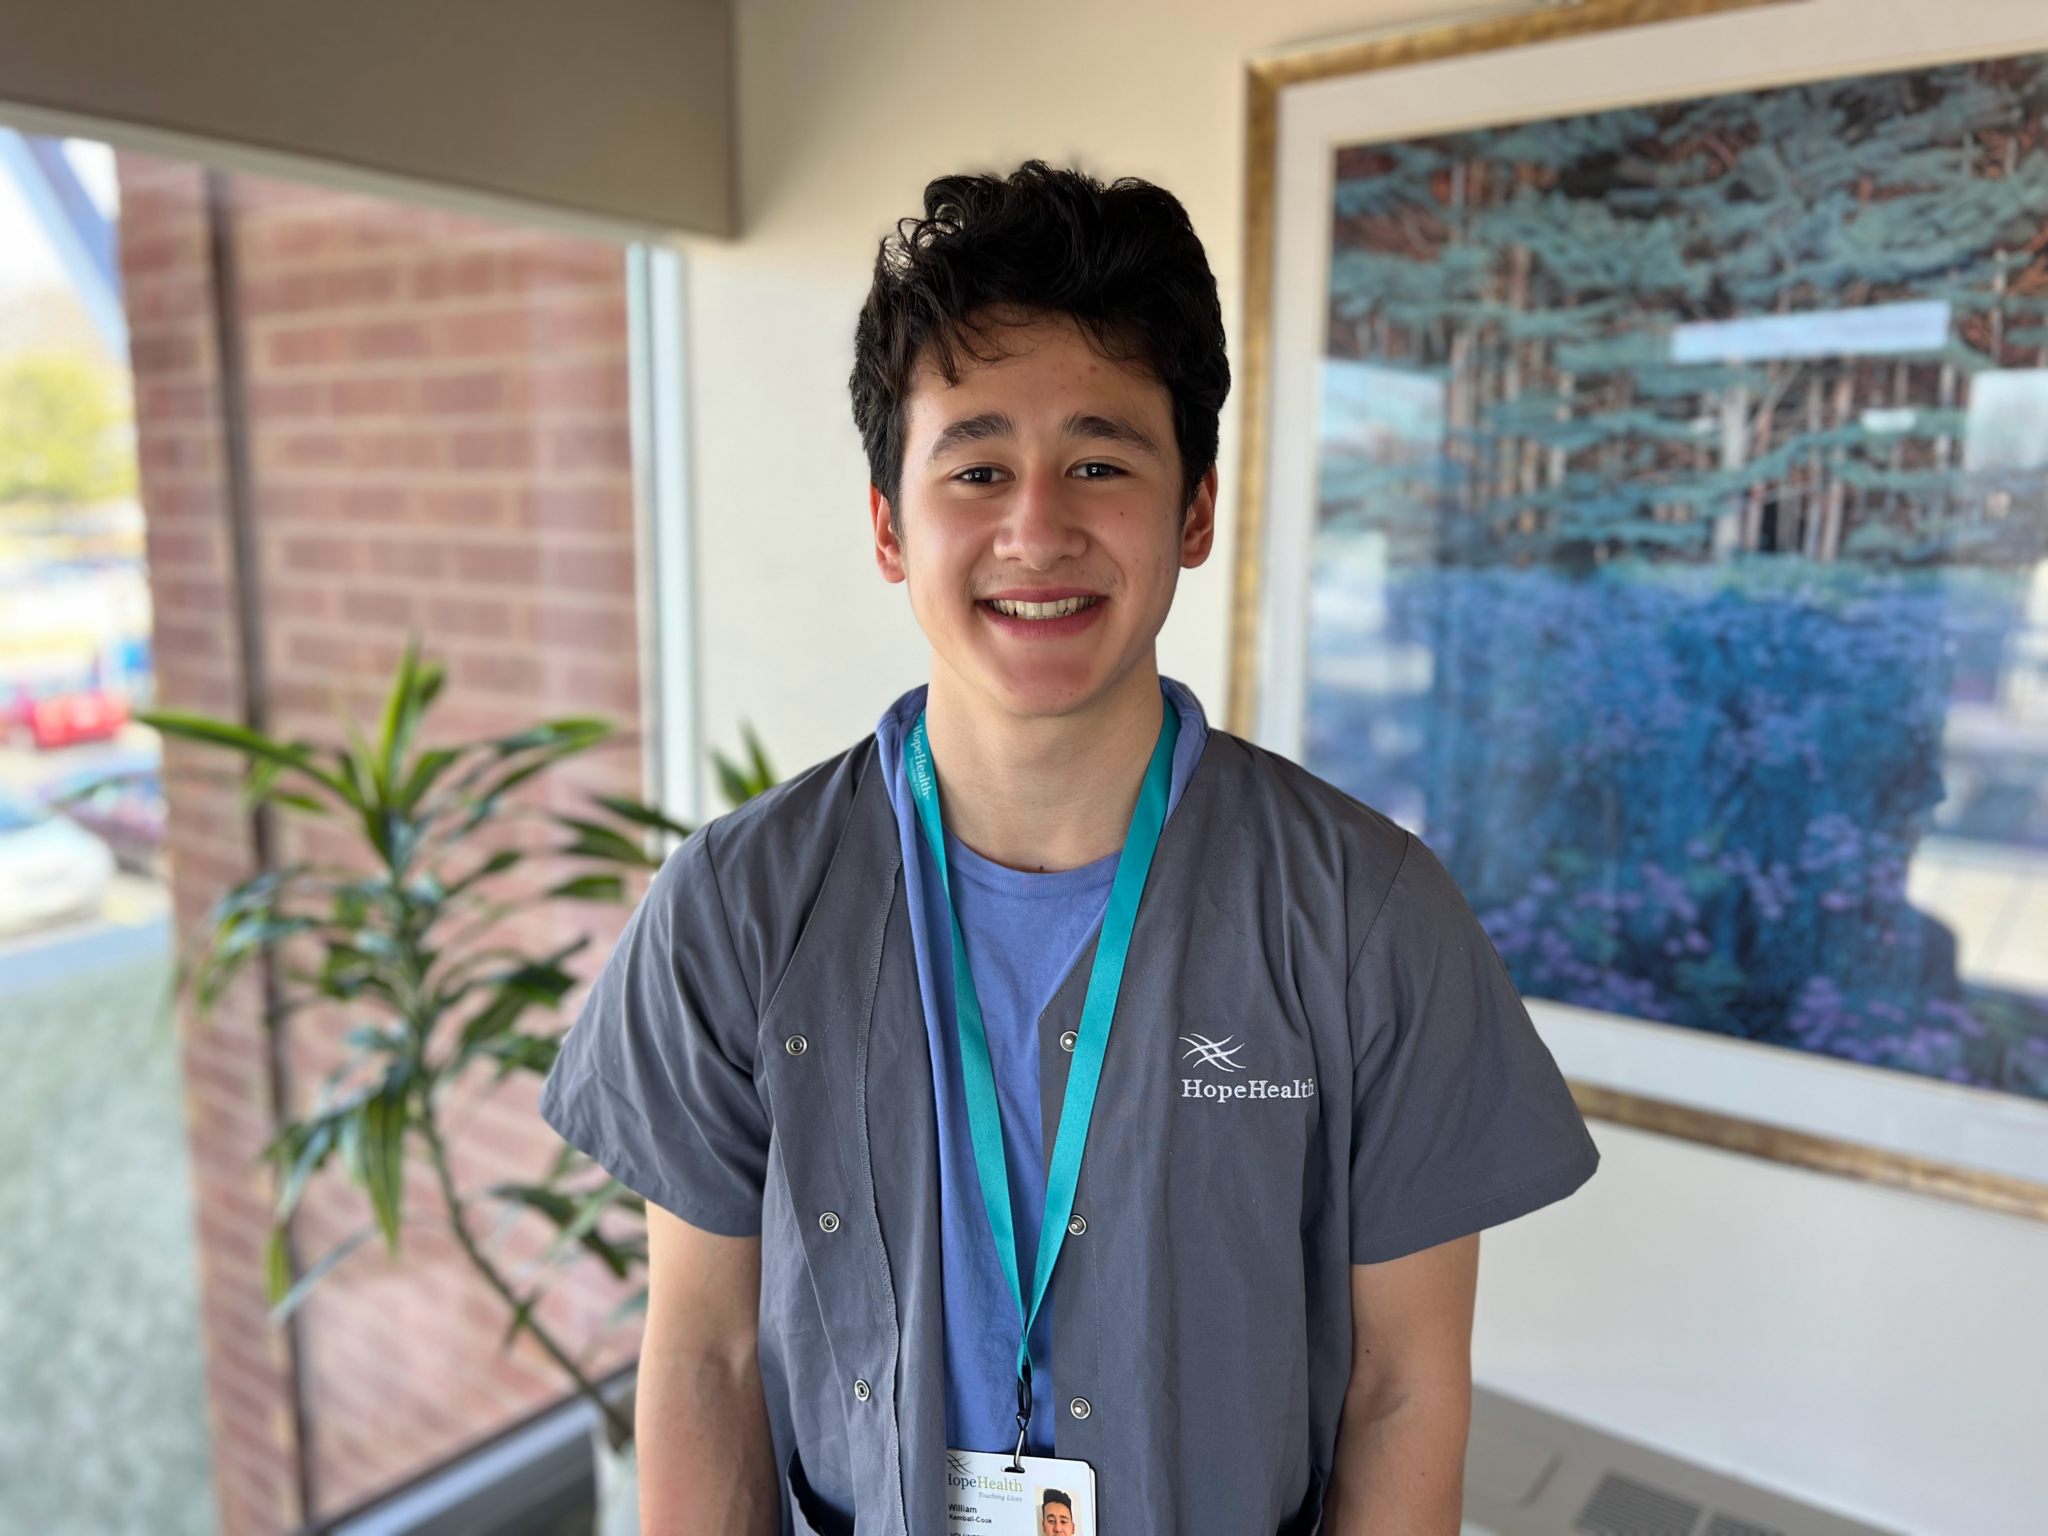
x=416 y=935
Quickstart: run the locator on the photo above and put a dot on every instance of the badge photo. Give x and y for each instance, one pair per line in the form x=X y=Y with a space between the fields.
x=990 y=1493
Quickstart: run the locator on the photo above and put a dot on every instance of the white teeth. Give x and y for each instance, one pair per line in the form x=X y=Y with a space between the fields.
x=1055 y=610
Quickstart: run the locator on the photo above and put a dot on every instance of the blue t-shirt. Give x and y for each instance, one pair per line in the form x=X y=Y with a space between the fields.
x=1024 y=933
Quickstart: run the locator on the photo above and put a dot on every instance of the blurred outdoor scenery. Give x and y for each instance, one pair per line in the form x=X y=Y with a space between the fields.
x=1681 y=571
x=102 y=1408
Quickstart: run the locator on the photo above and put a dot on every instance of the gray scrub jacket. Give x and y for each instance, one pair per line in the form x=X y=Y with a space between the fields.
x=1317 y=1061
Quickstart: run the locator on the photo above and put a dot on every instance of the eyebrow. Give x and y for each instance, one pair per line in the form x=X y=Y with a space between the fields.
x=972 y=429
x=1110 y=429
x=1082 y=424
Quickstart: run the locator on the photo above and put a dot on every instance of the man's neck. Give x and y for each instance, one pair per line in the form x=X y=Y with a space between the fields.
x=1042 y=793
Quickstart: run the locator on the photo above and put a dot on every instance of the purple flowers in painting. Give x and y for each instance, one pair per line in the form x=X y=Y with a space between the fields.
x=1705 y=655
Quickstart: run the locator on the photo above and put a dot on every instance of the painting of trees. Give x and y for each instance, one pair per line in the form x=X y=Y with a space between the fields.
x=1697 y=589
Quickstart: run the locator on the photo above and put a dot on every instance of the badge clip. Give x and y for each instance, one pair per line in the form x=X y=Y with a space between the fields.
x=1023 y=1419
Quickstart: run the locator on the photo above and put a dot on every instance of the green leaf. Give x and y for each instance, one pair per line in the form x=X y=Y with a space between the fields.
x=732 y=783
x=574 y=732
x=593 y=841
x=277 y=1266
x=633 y=1306
x=524 y=1053
x=299 y=1150
x=496 y=864
x=375 y=1037
x=738 y=783
x=641 y=814
x=92 y=787
x=251 y=744
x=284 y=1303
x=374 y=1136
x=535 y=983
x=590 y=888
x=551 y=1203
x=401 y=713
x=487 y=802
x=426 y=772
x=575 y=1219
x=522 y=1318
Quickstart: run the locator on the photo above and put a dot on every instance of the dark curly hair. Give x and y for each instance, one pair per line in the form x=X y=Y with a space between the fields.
x=1121 y=260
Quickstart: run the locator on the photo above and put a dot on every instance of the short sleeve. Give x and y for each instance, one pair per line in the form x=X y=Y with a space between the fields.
x=1461 y=1118
x=656 y=1079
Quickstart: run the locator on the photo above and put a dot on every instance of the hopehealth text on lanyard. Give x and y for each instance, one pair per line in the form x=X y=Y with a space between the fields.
x=988 y=1493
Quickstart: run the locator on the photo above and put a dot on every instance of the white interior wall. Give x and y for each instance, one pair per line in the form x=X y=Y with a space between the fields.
x=1880 y=1353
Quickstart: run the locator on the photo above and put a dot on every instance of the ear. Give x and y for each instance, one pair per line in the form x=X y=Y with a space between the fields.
x=1198 y=528
x=888 y=543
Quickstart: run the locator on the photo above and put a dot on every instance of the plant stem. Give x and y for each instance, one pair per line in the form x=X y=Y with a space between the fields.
x=620 y=1429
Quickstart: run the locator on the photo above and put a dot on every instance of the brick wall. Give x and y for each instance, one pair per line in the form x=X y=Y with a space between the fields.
x=439 y=426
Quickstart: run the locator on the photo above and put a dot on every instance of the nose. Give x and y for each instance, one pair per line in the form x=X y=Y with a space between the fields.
x=1039 y=527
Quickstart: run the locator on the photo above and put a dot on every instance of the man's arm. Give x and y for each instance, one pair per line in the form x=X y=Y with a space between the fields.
x=1400 y=1466
x=707 y=1464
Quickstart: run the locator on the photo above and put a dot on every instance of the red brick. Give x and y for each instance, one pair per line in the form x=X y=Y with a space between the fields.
x=463 y=506
x=391 y=610
x=272 y=401
x=590 y=570
x=609 y=630
x=308 y=450
x=386 y=339
x=395 y=451
x=391 y=557
x=475 y=618
x=588 y=447
x=465 y=276
x=499 y=674
x=588 y=508
x=595 y=387
x=505 y=449
x=306 y=346
x=579 y=324
x=163 y=354
x=374 y=503
x=497 y=564
x=329 y=554
x=491 y=332
x=370 y=397
x=466 y=393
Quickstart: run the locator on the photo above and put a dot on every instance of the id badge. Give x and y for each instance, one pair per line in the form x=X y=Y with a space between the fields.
x=1050 y=1497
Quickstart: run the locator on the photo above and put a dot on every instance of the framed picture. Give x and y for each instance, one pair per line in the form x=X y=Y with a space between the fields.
x=1646 y=503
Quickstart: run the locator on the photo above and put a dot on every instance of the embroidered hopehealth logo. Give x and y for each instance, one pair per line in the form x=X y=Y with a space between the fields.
x=1220 y=1054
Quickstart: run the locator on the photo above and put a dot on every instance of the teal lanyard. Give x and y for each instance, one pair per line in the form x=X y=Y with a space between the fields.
x=984 y=1120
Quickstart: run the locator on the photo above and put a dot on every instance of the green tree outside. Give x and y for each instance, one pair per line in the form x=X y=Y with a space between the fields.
x=65 y=437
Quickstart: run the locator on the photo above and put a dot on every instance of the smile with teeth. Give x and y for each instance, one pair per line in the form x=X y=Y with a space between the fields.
x=1061 y=608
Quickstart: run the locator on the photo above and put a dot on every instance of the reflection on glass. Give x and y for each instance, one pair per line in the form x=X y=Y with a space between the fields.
x=1679 y=571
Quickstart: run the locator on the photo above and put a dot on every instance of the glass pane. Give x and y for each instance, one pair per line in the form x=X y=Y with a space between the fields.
x=437 y=414
x=1679 y=568
x=102 y=1402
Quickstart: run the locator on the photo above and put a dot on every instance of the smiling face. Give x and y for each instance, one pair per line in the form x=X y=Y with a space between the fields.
x=1057 y=1520
x=1039 y=522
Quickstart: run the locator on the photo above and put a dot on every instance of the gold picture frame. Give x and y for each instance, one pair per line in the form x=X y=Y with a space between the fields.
x=1486 y=31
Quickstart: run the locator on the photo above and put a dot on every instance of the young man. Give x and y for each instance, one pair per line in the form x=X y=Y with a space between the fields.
x=1051 y=1074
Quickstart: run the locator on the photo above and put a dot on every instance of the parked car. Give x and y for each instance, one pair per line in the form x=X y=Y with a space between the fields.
x=50 y=867
x=52 y=720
